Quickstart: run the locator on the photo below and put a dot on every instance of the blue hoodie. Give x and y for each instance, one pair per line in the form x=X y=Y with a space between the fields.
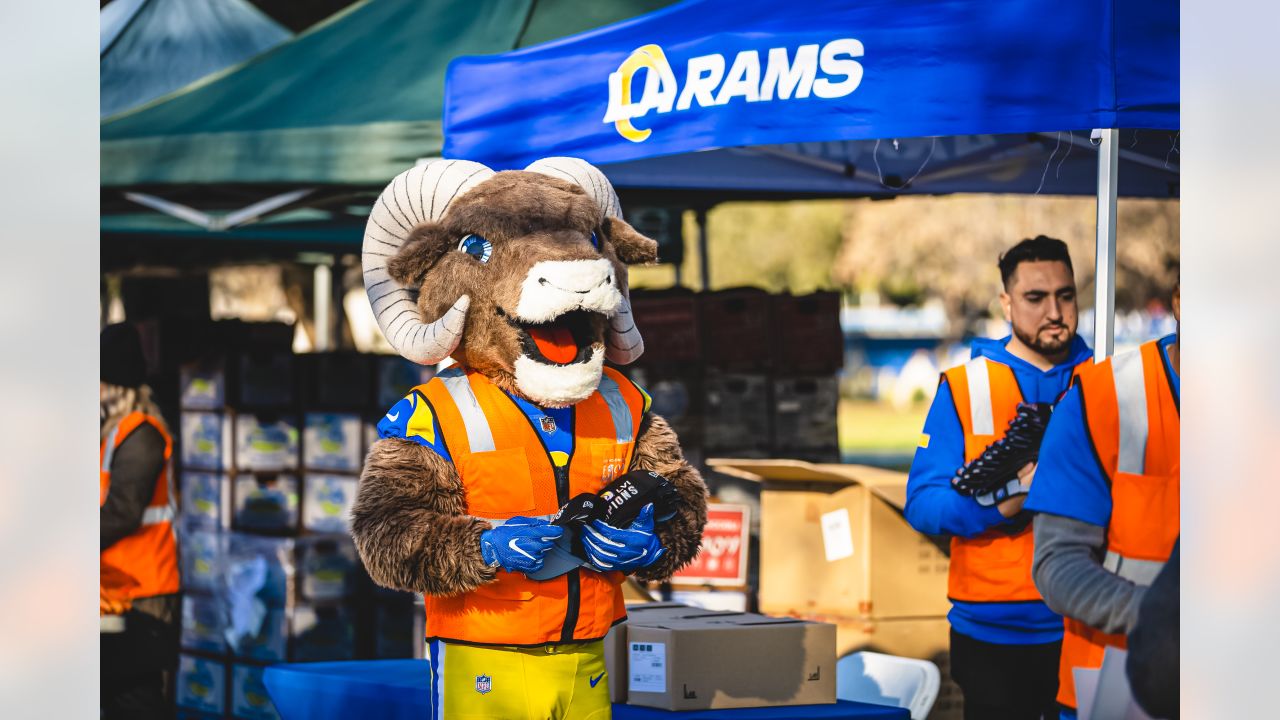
x=933 y=507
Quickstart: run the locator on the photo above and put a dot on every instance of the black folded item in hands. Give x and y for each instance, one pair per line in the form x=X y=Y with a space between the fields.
x=992 y=472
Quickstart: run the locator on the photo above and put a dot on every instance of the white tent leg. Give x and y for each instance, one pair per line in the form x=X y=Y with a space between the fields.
x=1104 y=302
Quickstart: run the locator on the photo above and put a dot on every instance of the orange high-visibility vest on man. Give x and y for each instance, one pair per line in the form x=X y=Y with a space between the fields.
x=506 y=471
x=145 y=563
x=1109 y=466
x=994 y=566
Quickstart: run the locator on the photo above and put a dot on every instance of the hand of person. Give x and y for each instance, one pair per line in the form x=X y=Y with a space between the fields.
x=108 y=605
x=518 y=544
x=623 y=549
x=1013 y=505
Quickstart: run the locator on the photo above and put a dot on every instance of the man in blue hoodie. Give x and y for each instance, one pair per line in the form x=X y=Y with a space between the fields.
x=1005 y=642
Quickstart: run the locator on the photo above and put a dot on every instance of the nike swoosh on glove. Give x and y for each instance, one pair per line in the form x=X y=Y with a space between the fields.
x=518 y=544
x=623 y=549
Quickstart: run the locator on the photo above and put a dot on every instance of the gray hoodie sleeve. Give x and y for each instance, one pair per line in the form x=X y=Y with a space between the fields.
x=1068 y=572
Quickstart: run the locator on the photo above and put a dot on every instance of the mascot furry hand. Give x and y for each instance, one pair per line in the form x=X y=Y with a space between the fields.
x=521 y=278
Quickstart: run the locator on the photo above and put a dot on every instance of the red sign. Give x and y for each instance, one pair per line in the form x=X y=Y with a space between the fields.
x=722 y=560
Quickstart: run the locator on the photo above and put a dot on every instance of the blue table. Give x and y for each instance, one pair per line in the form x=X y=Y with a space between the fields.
x=394 y=689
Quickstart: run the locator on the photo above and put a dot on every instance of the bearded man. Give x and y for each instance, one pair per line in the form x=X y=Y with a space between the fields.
x=971 y=474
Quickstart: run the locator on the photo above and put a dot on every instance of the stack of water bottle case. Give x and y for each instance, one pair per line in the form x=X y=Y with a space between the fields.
x=270 y=451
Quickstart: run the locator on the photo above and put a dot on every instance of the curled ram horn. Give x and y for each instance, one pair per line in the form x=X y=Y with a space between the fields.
x=418 y=195
x=623 y=344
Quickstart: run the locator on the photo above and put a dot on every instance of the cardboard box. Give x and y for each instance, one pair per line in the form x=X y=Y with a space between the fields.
x=258 y=568
x=266 y=502
x=833 y=542
x=206 y=441
x=203 y=384
x=201 y=554
x=615 y=643
x=204 y=622
x=327 y=502
x=730 y=660
x=737 y=418
x=249 y=697
x=332 y=441
x=201 y=684
x=266 y=442
x=322 y=633
x=206 y=499
x=328 y=567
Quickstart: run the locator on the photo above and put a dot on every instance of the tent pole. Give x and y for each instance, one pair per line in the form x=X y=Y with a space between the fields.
x=1104 y=299
x=704 y=267
x=323 y=290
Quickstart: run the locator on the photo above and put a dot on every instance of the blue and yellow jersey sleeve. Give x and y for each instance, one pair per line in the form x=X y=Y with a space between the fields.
x=413 y=419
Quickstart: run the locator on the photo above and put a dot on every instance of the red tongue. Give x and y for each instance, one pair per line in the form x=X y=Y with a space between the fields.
x=555 y=343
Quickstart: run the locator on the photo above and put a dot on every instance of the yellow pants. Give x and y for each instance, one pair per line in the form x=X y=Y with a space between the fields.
x=553 y=682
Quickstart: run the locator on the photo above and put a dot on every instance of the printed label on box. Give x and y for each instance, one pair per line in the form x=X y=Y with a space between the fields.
x=837 y=535
x=648 y=664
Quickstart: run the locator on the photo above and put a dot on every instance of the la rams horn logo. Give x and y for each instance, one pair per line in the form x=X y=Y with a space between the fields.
x=484 y=683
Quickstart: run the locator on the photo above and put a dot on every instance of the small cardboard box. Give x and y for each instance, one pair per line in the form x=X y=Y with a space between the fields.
x=203 y=384
x=202 y=554
x=258 y=568
x=833 y=542
x=204 y=623
x=332 y=441
x=267 y=502
x=201 y=684
x=266 y=442
x=249 y=697
x=327 y=502
x=615 y=643
x=730 y=660
x=206 y=441
x=206 y=499
x=328 y=567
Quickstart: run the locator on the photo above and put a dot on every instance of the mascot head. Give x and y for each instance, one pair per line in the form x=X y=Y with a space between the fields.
x=518 y=275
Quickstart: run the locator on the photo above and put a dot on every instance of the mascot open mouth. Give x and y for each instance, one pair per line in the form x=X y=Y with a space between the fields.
x=565 y=340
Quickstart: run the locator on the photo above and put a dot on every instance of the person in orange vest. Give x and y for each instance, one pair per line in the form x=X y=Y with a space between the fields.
x=1107 y=498
x=138 y=582
x=520 y=278
x=1004 y=639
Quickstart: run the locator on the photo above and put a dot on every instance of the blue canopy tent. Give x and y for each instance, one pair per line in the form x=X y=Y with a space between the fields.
x=746 y=98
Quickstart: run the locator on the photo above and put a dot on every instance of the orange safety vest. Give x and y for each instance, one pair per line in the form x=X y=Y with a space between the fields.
x=145 y=563
x=993 y=566
x=506 y=470
x=1132 y=419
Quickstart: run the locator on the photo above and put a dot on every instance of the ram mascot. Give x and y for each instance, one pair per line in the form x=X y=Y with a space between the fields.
x=518 y=487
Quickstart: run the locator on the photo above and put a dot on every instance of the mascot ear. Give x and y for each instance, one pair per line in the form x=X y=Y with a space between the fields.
x=419 y=253
x=632 y=247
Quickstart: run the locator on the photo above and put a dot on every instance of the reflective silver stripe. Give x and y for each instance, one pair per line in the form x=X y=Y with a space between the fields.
x=980 y=416
x=499 y=522
x=479 y=436
x=1139 y=572
x=111 y=448
x=618 y=408
x=1131 y=399
x=157 y=514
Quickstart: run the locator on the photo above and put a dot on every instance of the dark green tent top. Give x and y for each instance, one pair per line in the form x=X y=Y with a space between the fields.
x=352 y=101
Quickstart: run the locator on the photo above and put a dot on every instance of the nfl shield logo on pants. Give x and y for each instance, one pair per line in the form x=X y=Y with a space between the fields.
x=484 y=684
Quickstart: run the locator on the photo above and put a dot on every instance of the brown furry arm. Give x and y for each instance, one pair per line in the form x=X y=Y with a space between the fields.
x=658 y=449
x=410 y=523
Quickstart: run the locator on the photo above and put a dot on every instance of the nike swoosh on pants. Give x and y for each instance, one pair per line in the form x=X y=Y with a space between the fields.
x=596 y=679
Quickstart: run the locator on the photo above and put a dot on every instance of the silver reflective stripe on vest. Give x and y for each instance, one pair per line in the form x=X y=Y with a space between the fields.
x=1131 y=399
x=618 y=408
x=1139 y=572
x=157 y=514
x=111 y=448
x=980 y=416
x=479 y=436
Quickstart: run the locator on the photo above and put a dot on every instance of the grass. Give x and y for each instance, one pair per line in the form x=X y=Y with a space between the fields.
x=868 y=427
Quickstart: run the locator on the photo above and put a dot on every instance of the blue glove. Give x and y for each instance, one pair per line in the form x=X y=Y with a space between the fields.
x=518 y=544
x=623 y=549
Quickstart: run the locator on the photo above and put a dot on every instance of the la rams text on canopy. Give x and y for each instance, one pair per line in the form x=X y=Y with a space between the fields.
x=706 y=83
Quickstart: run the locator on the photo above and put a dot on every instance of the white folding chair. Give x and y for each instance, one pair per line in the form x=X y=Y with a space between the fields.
x=888 y=680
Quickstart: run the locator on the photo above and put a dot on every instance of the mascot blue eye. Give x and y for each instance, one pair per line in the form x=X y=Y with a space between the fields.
x=595 y=241
x=477 y=247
